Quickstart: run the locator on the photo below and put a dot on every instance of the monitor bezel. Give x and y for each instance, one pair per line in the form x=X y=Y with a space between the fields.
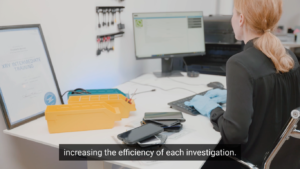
x=167 y=55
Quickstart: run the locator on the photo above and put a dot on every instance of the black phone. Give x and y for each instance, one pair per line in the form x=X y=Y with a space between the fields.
x=164 y=116
x=176 y=128
x=173 y=127
x=140 y=133
x=167 y=123
x=161 y=123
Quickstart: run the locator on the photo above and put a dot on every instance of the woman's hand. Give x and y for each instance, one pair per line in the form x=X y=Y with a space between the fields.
x=217 y=95
x=203 y=104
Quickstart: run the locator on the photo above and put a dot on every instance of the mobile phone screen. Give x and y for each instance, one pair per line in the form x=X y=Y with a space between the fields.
x=140 y=133
x=151 y=140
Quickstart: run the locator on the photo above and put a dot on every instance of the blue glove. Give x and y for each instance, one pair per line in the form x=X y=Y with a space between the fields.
x=217 y=95
x=203 y=104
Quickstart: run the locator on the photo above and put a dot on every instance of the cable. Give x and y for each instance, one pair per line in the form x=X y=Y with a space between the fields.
x=66 y=92
x=74 y=91
x=187 y=83
x=153 y=90
x=171 y=67
x=162 y=88
x=186 y=67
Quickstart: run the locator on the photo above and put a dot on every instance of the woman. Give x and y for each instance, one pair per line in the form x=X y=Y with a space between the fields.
x=263 y=87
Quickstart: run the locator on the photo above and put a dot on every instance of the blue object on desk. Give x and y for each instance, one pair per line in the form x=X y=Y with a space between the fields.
x=203 y=104
x=217 y=95
x=98 y=92
x=180 y=106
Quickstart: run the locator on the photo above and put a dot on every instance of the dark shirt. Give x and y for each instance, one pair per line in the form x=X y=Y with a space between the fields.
x=259 y=103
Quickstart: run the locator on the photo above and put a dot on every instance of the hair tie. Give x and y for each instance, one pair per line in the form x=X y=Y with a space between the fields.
x=269 y=30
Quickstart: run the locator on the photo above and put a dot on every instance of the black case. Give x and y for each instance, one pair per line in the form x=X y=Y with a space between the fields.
x=161 y=123
x=168 y=129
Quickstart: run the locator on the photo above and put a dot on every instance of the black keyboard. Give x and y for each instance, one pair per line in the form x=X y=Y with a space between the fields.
x=180 y=106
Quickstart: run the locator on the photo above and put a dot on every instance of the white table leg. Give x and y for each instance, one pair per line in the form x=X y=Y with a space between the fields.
x=98 y=165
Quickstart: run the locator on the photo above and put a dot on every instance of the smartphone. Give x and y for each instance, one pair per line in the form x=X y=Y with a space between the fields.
x=175 y=129
x=154 y=140
x=171 y=116
x=167 y=123
x=162 y=123
x=140 y=133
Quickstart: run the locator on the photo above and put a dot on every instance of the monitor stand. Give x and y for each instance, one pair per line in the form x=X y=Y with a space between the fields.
x=167 y=69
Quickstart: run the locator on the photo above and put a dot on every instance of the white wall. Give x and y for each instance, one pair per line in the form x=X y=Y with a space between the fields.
x=70 y=28
x=226 y=7
x=291 y=14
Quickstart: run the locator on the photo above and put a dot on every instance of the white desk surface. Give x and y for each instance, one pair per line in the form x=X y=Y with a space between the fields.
x=196 y=129
x=291 y=44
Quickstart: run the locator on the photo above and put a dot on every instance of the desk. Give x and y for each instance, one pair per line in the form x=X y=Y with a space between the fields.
x=196 y=129
x=291 y=45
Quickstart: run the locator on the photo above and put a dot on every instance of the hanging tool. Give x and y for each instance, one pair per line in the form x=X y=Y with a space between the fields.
x=99 y=49
x=105 y=40
x=113 y=12
x=112 y=40
x=108 y=14
x=104 y=16
x=120 y=25
x=107 y=44
x=98 y=13
x=110 y=46
x=101 y=44
x=117 y=10
x=104 y=43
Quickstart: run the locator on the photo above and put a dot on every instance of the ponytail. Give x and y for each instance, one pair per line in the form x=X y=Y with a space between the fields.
x=272 y=47
x=262 y=16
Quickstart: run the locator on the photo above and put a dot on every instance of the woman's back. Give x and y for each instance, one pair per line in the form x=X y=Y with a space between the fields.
x=275 y=95
x=262 y=87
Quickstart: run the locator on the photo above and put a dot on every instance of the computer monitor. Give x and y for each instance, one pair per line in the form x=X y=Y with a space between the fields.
x=167 y=35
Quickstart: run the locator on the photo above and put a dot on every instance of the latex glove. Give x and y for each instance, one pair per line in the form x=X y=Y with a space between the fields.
x=203 y=104
x=217 y=95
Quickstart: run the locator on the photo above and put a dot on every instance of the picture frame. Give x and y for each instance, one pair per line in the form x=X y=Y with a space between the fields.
x=32 y=87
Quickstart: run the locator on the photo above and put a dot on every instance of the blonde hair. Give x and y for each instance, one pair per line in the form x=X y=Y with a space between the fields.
x=261 y=17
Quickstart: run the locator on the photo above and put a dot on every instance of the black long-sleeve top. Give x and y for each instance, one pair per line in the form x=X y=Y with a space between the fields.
x=259 y=103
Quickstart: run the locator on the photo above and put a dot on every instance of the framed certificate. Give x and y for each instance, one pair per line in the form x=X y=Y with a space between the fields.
x=27 y=79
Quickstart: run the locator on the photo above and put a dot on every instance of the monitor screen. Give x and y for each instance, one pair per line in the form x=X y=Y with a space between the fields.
x=176 y=34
